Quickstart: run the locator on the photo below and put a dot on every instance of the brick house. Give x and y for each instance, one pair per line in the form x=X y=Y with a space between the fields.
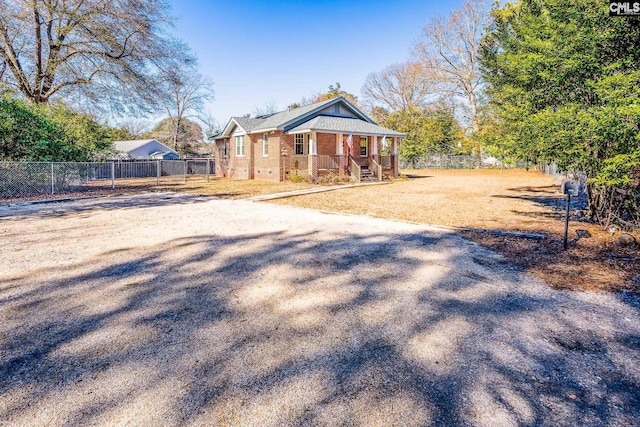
x=329 y=137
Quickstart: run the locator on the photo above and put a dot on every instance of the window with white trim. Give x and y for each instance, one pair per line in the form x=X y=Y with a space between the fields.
x=300 y=146
x=265 y=144
x=364 y=145
x=225 y=149
x=240 y=146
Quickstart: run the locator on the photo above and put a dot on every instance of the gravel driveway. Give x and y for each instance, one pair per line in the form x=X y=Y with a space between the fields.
x=166 y=309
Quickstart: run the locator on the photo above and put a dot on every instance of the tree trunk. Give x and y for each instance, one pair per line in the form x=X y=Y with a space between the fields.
x=475 y=125
x=175 y=134
x=38 y=54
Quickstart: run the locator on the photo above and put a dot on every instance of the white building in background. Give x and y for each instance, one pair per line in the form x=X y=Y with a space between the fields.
x=143 y=149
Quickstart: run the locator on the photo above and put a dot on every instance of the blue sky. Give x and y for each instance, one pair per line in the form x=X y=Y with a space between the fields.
x=280 y=51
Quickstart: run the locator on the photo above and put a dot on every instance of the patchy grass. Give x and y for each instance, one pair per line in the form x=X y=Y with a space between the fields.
x=233 y=188
x=464 y=198
x=508 y=200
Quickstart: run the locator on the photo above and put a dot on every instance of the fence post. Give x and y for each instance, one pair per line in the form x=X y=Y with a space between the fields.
x=158 y=171
x=113 y=175
x=52 y=180
x=208 y=166
x=185 y=171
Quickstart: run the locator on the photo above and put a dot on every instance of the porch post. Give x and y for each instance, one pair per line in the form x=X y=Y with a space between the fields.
x=394 y=157
x=340 y=154
x=313 y=156
x=374 y=148
x=313 y=143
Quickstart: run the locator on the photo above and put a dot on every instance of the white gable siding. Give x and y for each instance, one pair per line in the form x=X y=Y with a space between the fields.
x=237 y=131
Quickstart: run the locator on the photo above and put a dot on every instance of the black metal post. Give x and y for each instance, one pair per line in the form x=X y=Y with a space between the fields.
x=566 y=224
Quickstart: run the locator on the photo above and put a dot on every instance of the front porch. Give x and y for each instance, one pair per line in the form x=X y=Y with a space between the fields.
x=359 y=157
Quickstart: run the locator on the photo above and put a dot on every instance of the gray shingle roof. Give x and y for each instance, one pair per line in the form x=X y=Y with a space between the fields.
x=276 y=120
x=346 y=126
x=283 y=117
x=126 y=146
x=286 y=119
x=247 y=123
x=129 y=146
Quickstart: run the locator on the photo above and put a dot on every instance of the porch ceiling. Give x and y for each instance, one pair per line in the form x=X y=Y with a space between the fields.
x=326 y=124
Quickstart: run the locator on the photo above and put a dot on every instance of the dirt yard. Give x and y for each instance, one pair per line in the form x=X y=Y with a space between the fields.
x=507 y=200
x=170 y=309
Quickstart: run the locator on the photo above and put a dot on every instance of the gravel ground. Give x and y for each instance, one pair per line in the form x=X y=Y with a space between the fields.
x=166 y=309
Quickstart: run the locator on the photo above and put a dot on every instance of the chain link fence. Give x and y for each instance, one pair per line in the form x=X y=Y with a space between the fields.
x=447 y=161
x=24 y=179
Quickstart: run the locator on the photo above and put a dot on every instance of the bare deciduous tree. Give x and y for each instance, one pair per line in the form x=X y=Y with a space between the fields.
x=449 y=53
x=211 y=124
x=269 y=107
x=99 y=50
x=135 y=127
x=398 y=87
x=185 y=93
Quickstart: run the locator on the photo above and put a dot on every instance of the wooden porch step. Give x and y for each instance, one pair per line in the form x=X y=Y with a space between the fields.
x=367 y=176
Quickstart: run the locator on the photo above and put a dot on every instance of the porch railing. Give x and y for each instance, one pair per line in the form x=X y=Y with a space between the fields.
x=385 y=162
x=375 y=168
x=299 y=163
x=328 y=162
x=354 y=170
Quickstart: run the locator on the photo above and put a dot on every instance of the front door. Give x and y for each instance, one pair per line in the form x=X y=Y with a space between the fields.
x=362 y=150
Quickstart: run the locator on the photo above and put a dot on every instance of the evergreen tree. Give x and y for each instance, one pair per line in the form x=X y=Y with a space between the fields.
x=564 y=78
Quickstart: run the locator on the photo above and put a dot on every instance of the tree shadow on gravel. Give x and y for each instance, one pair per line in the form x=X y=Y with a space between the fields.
x=118 y=202
x=314 y=328
x=414 y=176
x=548 y=196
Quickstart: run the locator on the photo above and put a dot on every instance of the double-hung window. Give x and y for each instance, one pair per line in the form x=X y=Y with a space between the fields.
x=299 y=144
x=224 y=149
x=364 y=145
x=240 y=146
x=265 y=145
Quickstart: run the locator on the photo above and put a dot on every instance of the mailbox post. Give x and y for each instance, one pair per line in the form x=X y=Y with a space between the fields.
x=570 y=188
x=285 y=153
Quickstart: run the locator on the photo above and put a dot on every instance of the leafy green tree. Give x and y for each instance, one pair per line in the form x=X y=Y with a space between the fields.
x=49 y=133
x=120 y=134
x=336 y=91
x=411 y=122
x=429 y=131
x=188 y=134
x=21 y=127
x=332 y=92
x=564 y=79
